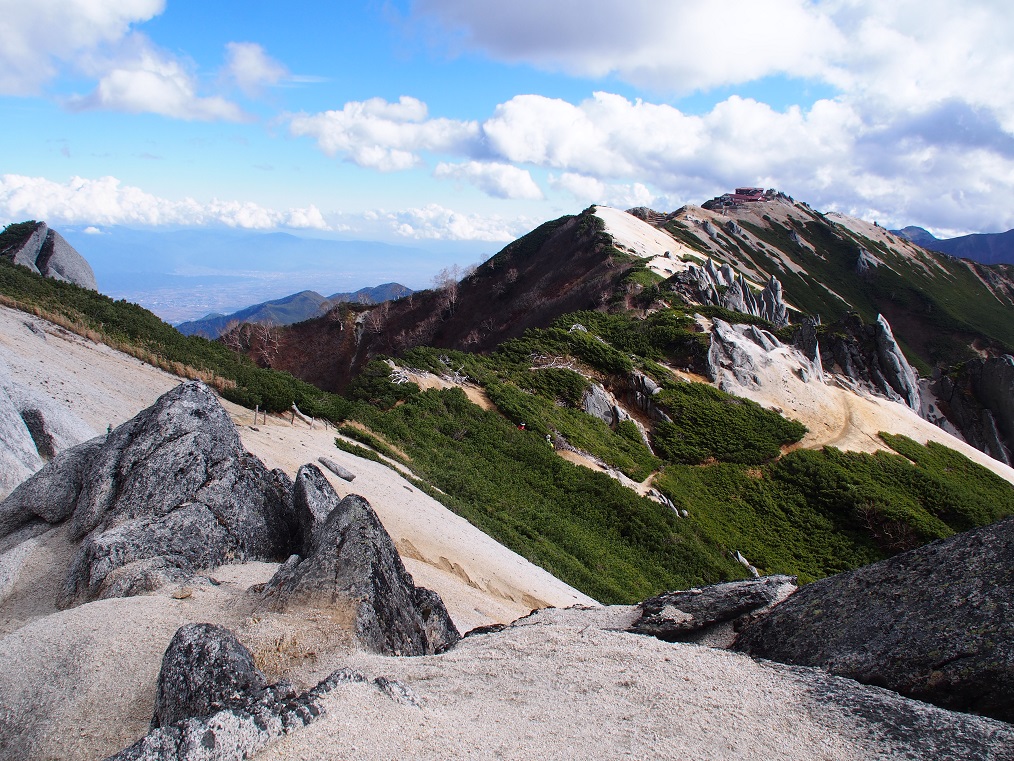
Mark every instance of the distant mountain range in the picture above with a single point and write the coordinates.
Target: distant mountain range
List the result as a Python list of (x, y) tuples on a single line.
[(987, 248), (185, 274), (290, 309)]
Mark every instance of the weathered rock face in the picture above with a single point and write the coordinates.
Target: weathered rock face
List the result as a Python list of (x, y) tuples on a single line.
[(896, 369), (205, 669), (350, 560), (213, 704), (688, 615), (640, 392), (979, 401), (173, 483), (47, 253), (933, 623), (720, 286), (50, 495), (19, 457), (739, 355), (869, 356), (600, 403), (804, 338)]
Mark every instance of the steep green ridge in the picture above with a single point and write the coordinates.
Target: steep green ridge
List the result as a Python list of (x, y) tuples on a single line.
[(807, 513), (582, 526), (134, 329)]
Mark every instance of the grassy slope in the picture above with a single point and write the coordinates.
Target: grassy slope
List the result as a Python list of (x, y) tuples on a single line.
[(136, 330), (808, 513), (935, 312), (811, 513)]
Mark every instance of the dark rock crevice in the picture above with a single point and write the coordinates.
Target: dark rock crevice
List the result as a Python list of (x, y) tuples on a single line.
[(978, 398)]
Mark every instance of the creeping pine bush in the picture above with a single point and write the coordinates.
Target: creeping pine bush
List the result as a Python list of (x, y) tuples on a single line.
[(816, 513), (711, 424), (580, 525)]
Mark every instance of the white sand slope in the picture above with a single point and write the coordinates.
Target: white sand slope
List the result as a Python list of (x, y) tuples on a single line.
[(837, 417), (563, 688), (479, 579), (666, 255)]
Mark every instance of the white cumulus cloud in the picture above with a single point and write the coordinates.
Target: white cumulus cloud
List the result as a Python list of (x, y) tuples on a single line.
[(37, 37), (251, 68), (434, 221), (610, 149), (107, 201), (382, 135), (903, 52), (150, 81), (588, 190), (492, 178), (674, 46)]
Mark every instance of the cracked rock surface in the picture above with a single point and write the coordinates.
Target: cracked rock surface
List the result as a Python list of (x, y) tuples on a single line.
[(934, 623), (214, 704), (167, 493), (350, 559)]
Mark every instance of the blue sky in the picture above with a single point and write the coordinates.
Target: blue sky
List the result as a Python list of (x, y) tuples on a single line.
[(422, 121)]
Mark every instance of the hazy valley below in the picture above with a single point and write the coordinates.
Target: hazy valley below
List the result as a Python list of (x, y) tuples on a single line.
[(187, 274)]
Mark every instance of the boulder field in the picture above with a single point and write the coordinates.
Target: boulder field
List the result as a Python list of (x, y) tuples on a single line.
[(146, 510)]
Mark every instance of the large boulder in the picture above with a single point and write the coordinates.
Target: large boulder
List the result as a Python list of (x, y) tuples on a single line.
[(49, 497), (173, 484), (213, 704), (47, 253), (350, 560), (934, 623), (204, 669), (694, 614)]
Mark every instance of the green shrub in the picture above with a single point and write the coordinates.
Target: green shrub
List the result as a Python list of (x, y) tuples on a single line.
[(580, 525), (711, 424), (374, 386)]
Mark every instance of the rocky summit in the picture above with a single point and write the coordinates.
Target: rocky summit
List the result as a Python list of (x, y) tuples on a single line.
[(46, 252)]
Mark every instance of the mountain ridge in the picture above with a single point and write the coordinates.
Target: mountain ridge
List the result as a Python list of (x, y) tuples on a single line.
[(289, 309), (986, 248), (615, 430)]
